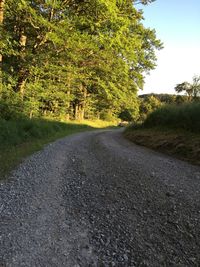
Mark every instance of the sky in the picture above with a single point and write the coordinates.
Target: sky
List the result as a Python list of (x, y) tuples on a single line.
[(177, 25)]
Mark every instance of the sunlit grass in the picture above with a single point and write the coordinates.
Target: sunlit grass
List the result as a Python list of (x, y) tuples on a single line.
[(97, 123), (20, 138)]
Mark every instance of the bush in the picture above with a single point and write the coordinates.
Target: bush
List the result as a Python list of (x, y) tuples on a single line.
[(185, 116), (107, 116), (10, 112), (127, 115)]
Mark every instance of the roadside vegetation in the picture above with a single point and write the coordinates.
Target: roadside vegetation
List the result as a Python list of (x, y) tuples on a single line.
[(185, 117), (70, 61), (22, 136), (68, 66), (174, 129)]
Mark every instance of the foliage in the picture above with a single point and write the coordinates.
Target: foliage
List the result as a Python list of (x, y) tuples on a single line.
[(130, 114), (75, 58), (148, 105), (167, 99), (192, 90), (22, 130), (163, 98), (185, 116)]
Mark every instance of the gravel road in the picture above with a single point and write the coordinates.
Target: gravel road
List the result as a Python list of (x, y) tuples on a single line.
[(95, 199)]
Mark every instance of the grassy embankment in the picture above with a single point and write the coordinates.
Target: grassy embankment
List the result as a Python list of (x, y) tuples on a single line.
[(174, 130), (21, 137)]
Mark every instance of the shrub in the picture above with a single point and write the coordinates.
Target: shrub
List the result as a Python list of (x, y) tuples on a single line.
[(185, 116)]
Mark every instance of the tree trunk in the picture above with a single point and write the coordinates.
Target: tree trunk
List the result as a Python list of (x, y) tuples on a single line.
[(83, 103), (23, 73), (67, 117), (22, 41), (78, 112), (31, 114), (79, 105), (76, 109), (20, 87), (51, 14), (2, 2)]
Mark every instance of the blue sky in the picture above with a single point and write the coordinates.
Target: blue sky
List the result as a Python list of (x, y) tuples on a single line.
[(177, 24)]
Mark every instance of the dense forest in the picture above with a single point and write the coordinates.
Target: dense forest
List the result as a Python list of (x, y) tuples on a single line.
[(73, 58)]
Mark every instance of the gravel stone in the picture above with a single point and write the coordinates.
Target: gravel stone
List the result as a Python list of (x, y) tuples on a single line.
[(96, 199)]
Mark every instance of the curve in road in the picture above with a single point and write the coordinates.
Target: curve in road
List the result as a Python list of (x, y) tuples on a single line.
[(95, 199)]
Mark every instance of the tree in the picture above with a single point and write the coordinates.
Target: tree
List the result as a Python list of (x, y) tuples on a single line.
[(144, 2), (184, 87), (192, 90), (196, 87), (129, 114), (148, 105), (73, 57), (180, 99), (2, 2)]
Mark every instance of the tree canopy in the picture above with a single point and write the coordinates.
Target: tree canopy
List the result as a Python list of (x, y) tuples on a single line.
[(190, 89), (78, 58)]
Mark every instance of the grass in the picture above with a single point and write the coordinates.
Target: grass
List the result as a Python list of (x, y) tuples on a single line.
[(174, 130), (98, 123), (20, 138), (186, 117)]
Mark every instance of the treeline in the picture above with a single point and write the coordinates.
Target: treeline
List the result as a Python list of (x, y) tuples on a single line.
[(166, 98), (73, 58)]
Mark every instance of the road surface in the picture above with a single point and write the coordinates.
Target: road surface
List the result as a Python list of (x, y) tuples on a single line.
[(96, 199)]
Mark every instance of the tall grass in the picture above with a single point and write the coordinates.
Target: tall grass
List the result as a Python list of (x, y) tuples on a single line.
[(19, 131), (186, 117), (21, 137)]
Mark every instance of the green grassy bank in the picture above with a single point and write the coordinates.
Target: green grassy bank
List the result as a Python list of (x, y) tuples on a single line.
[(185, 117), (174, 130), (21, 137)]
